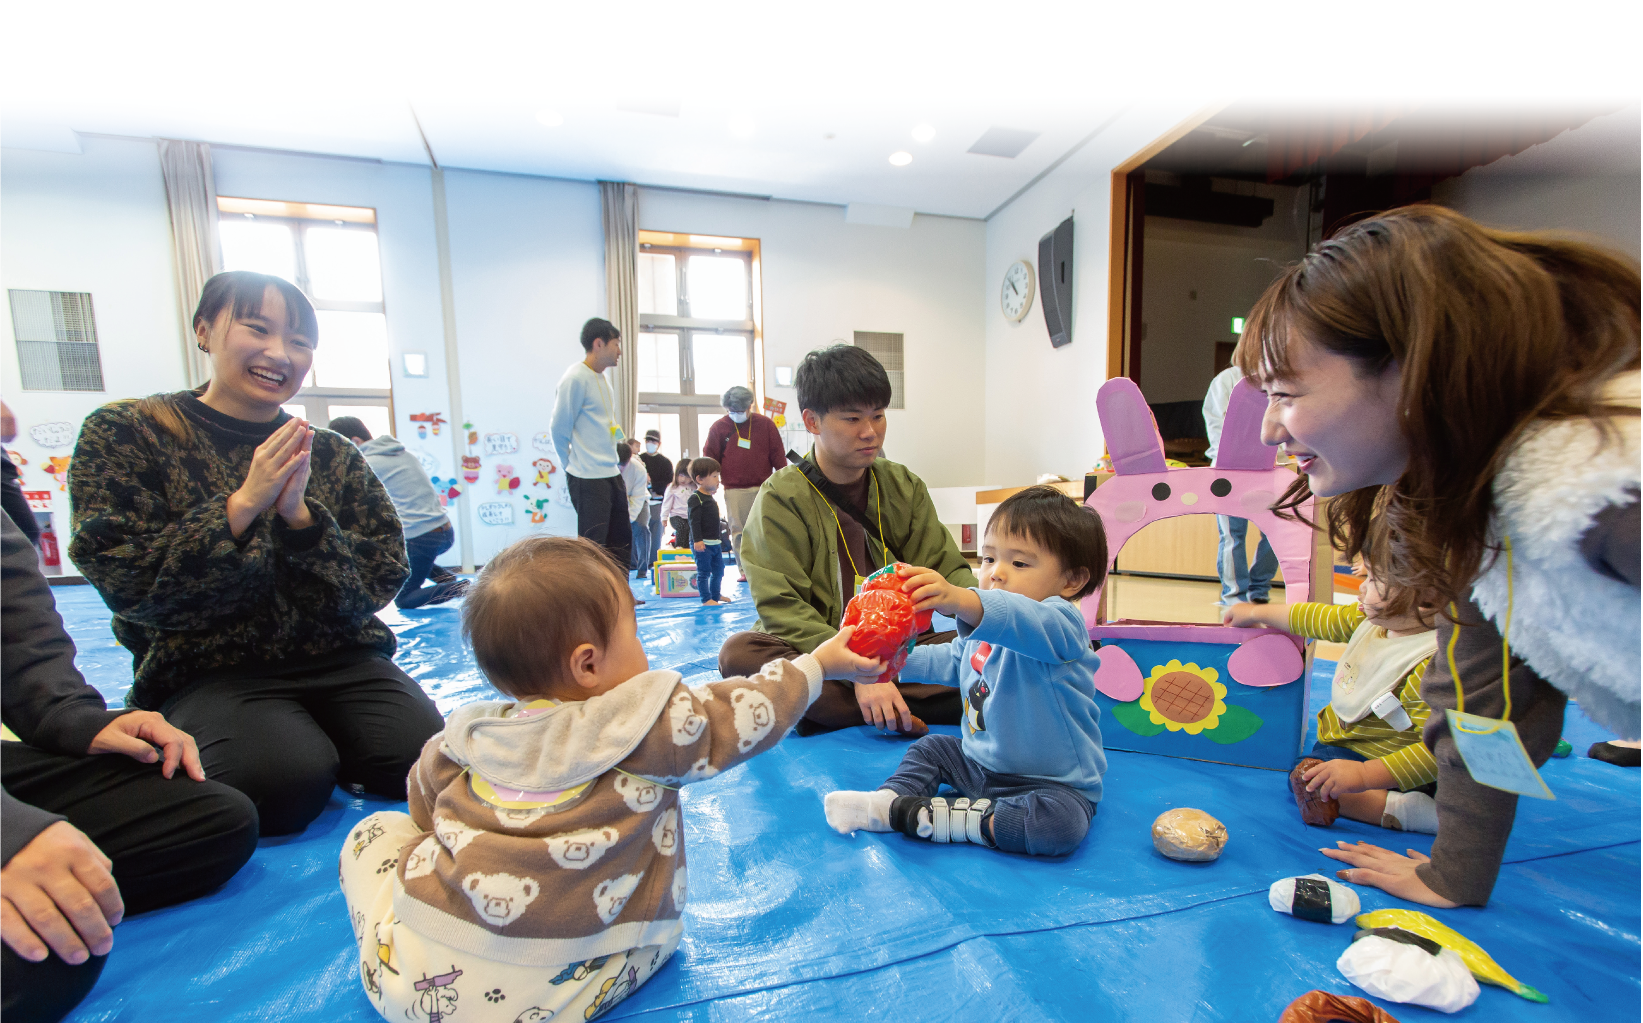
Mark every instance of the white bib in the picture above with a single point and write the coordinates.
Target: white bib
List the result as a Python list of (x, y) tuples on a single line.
[(1375, 664)]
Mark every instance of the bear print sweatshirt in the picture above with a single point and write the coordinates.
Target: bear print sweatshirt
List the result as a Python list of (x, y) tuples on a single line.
[(554, 836)]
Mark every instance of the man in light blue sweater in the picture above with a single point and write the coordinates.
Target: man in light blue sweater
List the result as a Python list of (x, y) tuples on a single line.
[(585, 433), (1029, 763)]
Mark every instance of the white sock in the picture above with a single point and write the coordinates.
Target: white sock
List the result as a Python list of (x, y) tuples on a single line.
[(1411, 811), (849, 812)]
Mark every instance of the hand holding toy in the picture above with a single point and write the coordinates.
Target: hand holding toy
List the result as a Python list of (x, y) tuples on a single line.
[(886, 626)]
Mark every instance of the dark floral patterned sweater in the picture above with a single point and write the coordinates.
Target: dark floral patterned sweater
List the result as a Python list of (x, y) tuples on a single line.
[(189, 600)]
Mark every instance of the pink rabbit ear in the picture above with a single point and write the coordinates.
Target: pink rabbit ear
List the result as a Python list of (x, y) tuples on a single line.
[(1241, 446), (1130, 431)]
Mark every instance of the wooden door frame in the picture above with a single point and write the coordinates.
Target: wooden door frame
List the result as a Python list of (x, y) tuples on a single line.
[(1125, 228)]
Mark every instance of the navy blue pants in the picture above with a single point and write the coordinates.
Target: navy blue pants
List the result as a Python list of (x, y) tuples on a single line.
[(1030, 815), (710, 571), (421, 551)]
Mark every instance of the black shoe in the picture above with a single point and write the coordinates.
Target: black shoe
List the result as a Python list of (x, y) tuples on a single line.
[(439, 574), (448, 591), (1620, 756)]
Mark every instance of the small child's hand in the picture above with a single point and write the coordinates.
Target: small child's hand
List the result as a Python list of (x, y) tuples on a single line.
[(1332, 778), (930, 591), (882, 706), (1241, 616), (840, 662), (701, 545)]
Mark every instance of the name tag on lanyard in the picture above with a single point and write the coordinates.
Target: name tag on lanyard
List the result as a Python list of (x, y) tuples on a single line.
[(744, 442), (1495, 756)]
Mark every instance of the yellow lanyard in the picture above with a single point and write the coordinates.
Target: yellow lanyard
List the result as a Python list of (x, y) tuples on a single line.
[(878, 499), (1505, 650)]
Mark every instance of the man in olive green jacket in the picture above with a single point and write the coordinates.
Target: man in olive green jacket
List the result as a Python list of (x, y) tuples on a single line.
[(817, 529)]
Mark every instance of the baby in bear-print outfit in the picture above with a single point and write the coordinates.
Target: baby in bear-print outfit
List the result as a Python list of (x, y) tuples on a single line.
[(542, 865)]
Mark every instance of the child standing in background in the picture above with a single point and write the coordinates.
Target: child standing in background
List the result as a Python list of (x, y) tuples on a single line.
[(675, 503), (704, 531), (544, 853), (1369, 755), (1028, 767)]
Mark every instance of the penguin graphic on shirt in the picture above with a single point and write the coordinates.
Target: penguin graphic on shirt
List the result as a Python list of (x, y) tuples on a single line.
[(975, 697)]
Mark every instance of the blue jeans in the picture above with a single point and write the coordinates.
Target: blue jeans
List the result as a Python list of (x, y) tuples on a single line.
[(710, 571), (1030, 815), (1239, 581), (641, 543), (421, 551), (1321, 751)]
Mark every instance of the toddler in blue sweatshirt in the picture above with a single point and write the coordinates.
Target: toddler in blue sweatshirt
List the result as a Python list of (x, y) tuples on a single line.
[(1027, 769)]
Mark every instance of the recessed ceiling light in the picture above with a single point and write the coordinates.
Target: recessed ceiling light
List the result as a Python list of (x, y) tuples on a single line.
[(901, 159), (923, 133), (829, 135), (742, 127), (550, 118)]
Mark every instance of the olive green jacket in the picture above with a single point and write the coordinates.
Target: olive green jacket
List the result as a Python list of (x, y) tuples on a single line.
[(790, 546)]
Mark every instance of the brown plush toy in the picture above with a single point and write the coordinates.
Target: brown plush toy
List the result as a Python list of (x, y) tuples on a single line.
[(1315, 811)]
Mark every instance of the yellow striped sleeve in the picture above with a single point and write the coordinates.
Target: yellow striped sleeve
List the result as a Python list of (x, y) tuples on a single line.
[(1405, 756), (1333, 623)]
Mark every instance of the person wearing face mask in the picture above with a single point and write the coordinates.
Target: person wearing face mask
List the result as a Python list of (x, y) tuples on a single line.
[(748, 448), (244, 555), (659, 470)]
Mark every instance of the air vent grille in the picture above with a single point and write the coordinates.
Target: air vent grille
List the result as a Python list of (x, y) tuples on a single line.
[(56, 335), (887, 348)]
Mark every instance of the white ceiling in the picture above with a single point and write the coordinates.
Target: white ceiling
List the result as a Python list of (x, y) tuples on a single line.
[(791, 101)]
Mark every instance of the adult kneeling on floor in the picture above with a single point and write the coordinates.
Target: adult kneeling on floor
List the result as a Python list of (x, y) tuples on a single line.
[(89, 838), (244, 555), (817, 529)]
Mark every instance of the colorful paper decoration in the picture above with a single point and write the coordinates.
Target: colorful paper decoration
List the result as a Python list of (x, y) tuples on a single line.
[(544, 468), (39, 500), (776, 410), (543, 442), (1186, 706), (53, 435), (57, 469), (496, 513), (470, 468), (447, 489), (424, 420), (506, 481), (538, 508), (501, 443)]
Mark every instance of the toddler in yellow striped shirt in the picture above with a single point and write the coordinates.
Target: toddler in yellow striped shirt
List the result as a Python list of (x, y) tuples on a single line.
[(1369, 759)]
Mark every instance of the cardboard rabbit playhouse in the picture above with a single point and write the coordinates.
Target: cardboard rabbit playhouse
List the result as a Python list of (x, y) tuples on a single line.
[(1204, 692)]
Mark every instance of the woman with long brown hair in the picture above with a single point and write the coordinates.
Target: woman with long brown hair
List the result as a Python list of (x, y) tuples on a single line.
[(244, 555), (1468, 398)]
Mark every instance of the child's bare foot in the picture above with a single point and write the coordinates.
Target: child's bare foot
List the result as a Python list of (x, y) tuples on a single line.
[(849, 812)]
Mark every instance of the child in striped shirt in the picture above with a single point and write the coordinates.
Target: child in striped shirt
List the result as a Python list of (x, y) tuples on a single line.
[(1369, 755)]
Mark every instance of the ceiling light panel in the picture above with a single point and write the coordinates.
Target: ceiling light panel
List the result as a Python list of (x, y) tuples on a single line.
[(901, 159), (1005, 142), (923, 133)]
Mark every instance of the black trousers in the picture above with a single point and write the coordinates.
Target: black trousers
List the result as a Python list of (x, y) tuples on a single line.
[(287, 740), (170, 840), (602, 514)]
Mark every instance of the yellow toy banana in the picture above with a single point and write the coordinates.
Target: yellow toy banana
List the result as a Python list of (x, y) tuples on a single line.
[(1476, 959)]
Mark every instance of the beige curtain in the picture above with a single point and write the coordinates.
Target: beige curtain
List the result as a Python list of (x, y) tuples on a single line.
[(191, 195), (621, 206)]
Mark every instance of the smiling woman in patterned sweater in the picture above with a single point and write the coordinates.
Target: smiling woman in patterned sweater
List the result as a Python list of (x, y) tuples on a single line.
[(244, 555)]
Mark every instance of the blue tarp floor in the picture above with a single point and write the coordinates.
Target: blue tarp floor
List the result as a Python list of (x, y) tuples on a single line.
[(788, 919)]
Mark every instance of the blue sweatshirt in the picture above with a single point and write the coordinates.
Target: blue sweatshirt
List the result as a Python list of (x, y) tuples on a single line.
[(1027, 676)]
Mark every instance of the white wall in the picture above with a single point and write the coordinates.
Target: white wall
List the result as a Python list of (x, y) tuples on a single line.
[(1198, 277), (1583, 180), (824, 279), (1041, 400), (95, 222), (528, 269)]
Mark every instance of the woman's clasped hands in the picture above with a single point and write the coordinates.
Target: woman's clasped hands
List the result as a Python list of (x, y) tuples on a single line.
[(278, 479)]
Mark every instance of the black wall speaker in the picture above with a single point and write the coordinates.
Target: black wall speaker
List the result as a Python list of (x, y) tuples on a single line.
[(1055, 282)]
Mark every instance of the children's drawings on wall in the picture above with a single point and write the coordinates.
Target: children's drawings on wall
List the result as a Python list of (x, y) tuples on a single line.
[(424, 420), (538, 508), (473, 435), (52, 435), (57, 469), (447, 488), (506, 481), (543, 442), (470, 468), (496, 513), (777, 411), (544, 468), (429, 463), (501, 443)]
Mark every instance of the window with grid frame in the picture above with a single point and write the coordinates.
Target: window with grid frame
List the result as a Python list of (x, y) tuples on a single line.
[(887, 349), (56, 335)]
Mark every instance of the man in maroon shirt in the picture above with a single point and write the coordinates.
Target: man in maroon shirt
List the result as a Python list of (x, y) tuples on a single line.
[(748, 448)]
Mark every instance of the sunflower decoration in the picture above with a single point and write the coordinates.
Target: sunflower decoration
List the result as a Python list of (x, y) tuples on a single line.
[(1186, 698)]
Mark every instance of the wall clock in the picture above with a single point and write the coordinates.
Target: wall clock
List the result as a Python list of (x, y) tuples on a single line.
[(1016, 295)]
